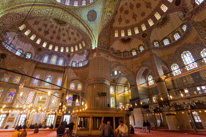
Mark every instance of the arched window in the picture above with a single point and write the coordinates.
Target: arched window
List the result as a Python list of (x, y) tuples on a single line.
[(30, 97), (53, 59), (170, 1), (184, 27), (23, 26), (150, 80), (199, 1), (80, 64), (59, 81), (164, 8), (150, 21), (141, 48), (72, 86), (83, 43), (16, 79), (10, 95), (175, 69), (72, 49), (136, 30), (10, 47), (38, 41), (67, 2), (62, 49), (91, 1), (56, 48), (188, 60), (122, 33), (125, 53), (48, 79), (18, 52), (134, 52), (28, 55), (46, 57), (143, 27), (176, 36), (76, 48), (55, 99), (1, 91), (27, 32), (83, 2), (67, 49), (61, 61), (5, 78), (50, 47), (69, 100), (129, 32), (73, 64), (157, 15), (75, 3), (156, 44), (166, 42), (79, 87), (44, 44), (111, 90), (33, 37), (112, 102), (80, 46), (203, 54), (35, 81)]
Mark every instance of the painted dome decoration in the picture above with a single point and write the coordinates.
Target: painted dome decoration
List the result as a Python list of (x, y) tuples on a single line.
[(92, 15), (75, 3)]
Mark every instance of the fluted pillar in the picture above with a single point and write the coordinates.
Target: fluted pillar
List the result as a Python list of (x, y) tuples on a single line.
[(98, 90)]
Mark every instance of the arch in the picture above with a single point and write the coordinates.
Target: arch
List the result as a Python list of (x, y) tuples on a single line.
[(188, 60), (122, 81), (142, 75)]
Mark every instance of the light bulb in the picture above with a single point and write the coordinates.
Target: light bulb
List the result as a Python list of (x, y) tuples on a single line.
[(40, 97), (67, 97), (76, 100), (21, 94), (181, 94), (161, 98), (49, 93), (82, 103), (4, 106)]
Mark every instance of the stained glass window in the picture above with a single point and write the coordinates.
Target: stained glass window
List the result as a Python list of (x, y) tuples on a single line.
[(5, 78), (56, 48), (10, 47), (35, 81), (134, 52), (18, 52), (53, 59), (79, 87), (150, 80), (62, 49), (184, 27), (83, 43), (80, 64), (170, 1), (38, 41), (55, 99), (156, 44), (1, 91), (46, 57), (23, 26), (157, 15), (199, 1), (48, 79), (27, 32), (73, 64), (150, 21), (10, 95), (28, 55), (67, 2), (164, 8), (16, 79), (69, 100), (116, 33), (72, 86), (136, 30), (30, 97), (75, 3), (44, 44), (176, 36), (188, 60), (143, 27), (83, 2), (78, 101), (67, 49), (129, 32), (203, 54), (175, 69), (72, 49), (112, 102), (80, 46), (141, 48), (166, 42), (111, 90), (33, 37), (61, 61), (59, 81), (50, 47), (122, 33)]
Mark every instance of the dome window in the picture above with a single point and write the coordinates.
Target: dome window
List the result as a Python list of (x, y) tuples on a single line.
[(150, 21), (122, 33), (184, 27), (141, 48), (28, 55), (134, 52), (75, 3), (38, 41), (76, 48), (188, 60), (136, 30), (67, 49), (164, 8), (46, 57), (72, 49), (198, 1), (23, 26), (83, 2), (44, 44), (176, 36), (157, 15), (91, 1), (83, 43), (166, 42), (73, 64), (67, 2), (27, 32), (203, 54), (143, 27), (33, 37), (80, 46), (156, 44), (129, 32), (80, 64), (62, 49), (170, 1), (175, 69), (116, 33), (56, 48), (50, 47), (18, 52)]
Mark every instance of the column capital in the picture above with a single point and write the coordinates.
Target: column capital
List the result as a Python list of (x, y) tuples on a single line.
[(160, 79)]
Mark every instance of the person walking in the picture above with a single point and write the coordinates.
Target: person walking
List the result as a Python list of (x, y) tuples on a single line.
[(24, 133), (61, 130), (132, 130), (145, 126), (122, 130), (71, 127), (16, 133), (148, 125), (36, 128), (107, 130), (101, 127)]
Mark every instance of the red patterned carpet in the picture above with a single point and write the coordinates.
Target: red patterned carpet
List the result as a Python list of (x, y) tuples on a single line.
[(138, 133)]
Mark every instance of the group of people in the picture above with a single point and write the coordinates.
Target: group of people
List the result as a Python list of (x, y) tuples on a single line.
[(107, 130), (146, 126), (61, 129)]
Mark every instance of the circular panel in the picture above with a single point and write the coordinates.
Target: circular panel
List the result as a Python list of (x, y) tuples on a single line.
[(92, 15)]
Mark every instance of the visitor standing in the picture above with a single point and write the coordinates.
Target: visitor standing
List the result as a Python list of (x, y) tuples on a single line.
[(71, 127), (16, 133), (148, 125), (132, 130), (24, 133), (36, 128), (122, 130), (101, 127), (145, 126), (107, 130), (61, 130), (65, 123)]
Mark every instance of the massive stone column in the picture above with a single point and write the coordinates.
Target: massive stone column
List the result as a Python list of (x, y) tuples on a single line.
[(98, 90), (162, 88)]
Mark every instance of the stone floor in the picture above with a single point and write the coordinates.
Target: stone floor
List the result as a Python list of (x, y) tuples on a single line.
[(138, 133)]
